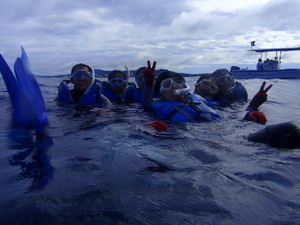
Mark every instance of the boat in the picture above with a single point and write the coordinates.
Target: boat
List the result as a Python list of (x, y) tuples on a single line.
[(270, 68)]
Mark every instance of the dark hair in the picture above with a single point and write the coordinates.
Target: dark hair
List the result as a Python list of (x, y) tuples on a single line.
[(112, 73), (163, 76), (139, 70), (206, 76), (81, 65), (221, 72)]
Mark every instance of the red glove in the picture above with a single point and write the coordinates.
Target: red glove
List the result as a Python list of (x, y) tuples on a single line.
[(149, 73), (256, 116), (260, 97), (158, 125)]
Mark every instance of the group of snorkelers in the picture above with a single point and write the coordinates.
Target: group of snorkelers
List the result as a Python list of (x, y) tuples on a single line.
[(166, 95)]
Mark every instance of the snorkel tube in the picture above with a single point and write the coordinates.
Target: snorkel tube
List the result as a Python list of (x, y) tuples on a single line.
[(128, 73), (91, 84), (182, 91)]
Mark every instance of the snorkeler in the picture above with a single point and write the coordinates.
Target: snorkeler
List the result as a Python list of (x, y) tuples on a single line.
[(140, 81), (229, 90), (283, 135), (259, 98), (117, 89), (174, 102), (86, 91), (206, 87)]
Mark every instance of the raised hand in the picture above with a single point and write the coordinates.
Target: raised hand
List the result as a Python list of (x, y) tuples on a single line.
[(149, 73), (260, 97)]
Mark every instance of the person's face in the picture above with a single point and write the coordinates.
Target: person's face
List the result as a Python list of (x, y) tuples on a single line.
[(206, 88), (168, 87), (81, 79), (140, 80), (118, 83), (225, 83)]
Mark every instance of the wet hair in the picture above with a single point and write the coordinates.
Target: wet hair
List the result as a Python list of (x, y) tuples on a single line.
[(112, 73), (220, 73), (139, 70), (163, 76), (75, 67), (203, 77)]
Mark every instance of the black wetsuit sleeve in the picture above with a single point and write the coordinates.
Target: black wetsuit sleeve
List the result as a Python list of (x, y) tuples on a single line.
[(147, 96), (76, 95)]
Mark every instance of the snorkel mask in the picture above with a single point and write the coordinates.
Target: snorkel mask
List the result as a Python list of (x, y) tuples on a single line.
[(84, 75), (119, 81), (167, 84), (208, 86), (225, 80), (81, 75)]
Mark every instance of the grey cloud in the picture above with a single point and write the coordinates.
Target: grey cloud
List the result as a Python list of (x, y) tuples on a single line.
[(109, 34)]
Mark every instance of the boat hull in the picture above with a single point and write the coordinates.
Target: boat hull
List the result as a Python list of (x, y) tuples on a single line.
[(280, 74)]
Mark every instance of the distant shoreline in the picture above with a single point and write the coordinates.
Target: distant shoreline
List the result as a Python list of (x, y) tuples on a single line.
[(104, 73)]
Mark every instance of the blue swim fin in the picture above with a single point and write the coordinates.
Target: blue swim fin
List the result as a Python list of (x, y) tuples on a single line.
[(18, 101), (26, 97)]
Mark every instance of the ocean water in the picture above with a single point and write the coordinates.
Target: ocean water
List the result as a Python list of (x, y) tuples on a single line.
[(112, 168)]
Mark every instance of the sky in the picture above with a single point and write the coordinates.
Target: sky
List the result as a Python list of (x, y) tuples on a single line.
[(180, 35)]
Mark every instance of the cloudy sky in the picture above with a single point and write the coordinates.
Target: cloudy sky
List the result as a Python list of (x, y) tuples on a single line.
[(181, 35)]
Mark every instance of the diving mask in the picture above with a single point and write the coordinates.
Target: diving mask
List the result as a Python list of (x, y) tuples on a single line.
[(81, 74), (117, 82), (208, 86), (174, 82)]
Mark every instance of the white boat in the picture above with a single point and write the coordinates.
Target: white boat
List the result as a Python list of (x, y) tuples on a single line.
[(270, 67)]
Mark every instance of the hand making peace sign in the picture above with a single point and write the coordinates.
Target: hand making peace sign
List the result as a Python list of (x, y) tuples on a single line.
[(149, 73), (260, 97)]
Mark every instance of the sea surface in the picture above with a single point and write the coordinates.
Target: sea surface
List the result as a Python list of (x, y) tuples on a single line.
[(107, 166)]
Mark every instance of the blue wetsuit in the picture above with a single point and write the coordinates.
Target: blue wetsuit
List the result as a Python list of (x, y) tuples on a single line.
[(127, 97), (184, 112), (194, 110), (238, 94), (92, 97), (199, 98)]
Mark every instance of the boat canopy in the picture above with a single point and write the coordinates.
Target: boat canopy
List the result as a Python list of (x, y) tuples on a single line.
[(275, 49)]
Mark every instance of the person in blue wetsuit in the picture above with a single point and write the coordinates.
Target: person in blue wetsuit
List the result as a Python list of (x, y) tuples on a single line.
[(207, 88), (117, 89), (140, 81), (174, 102), (229, 90), (86, 91)]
